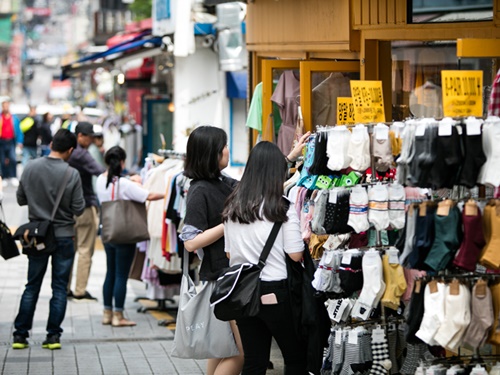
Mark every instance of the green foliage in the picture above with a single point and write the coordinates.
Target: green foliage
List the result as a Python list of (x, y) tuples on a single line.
[(141, 9)]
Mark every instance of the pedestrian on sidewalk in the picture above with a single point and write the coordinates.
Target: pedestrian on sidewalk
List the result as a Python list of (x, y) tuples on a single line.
[(10, 134), (110, 186), (87, 224), (249, 215), (30, 126), (46, 133), (38, 189), (207, 155)]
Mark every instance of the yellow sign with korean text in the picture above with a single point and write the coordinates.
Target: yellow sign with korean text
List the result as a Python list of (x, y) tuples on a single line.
[(462, 93), (368, 101), (345, 111)]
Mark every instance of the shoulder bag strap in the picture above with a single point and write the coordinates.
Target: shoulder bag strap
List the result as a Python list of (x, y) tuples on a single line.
[(60, 193), (269, 244)]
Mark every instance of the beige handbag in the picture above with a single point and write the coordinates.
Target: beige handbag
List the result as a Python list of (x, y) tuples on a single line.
[(123, 221)]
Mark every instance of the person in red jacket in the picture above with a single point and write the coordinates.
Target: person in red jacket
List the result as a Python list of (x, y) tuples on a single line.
[(9, 134)]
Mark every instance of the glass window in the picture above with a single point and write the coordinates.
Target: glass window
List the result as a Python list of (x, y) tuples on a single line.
[(427, 11), (416, 77)]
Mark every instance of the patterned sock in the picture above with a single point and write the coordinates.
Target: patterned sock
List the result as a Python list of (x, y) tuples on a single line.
[(380, 352)]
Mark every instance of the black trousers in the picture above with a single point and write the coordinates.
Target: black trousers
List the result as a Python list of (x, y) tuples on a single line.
[(272, 321)]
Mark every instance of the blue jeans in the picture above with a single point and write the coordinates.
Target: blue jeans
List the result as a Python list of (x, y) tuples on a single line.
[(29, 153), (62, 261), (119, 258), (8, 151)]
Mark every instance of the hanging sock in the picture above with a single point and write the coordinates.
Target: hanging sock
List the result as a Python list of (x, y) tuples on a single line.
[(380, 353)]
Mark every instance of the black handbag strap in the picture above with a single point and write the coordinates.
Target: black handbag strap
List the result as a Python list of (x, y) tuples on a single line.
[(269, 244), (60, 193)]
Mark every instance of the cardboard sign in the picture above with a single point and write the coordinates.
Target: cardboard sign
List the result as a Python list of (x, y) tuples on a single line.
[(345, 111), (462, 93), (368, 101)]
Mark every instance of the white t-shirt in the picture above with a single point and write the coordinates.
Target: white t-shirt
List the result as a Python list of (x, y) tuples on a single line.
[(128, 190), (245, 243)]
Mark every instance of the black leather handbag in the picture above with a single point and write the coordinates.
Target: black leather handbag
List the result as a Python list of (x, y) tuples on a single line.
[(37, 237), (237, 291), (8, 247)]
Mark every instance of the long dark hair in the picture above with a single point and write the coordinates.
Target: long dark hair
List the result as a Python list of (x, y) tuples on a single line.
[(113, 158), (203, 153), (262, 182)]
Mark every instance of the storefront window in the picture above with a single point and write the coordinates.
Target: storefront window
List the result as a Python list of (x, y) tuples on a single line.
[(416, 77), (441, 11)]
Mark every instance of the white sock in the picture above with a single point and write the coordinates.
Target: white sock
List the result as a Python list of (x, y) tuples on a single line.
[(358, 209), (457, 318), (336, 148), (359, 148), (378, 212), (397, 206), (373, 285), (434, 314)]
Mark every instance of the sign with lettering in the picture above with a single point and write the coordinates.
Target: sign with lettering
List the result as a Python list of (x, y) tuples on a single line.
[(462, 93), (345, 111), (368, 101)]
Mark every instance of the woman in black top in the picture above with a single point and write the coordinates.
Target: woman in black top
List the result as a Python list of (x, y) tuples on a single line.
[(46, 133), (207, 154)]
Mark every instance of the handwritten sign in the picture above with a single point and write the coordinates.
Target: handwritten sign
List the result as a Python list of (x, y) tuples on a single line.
[(368, 101), (462, 93), (345, 111)]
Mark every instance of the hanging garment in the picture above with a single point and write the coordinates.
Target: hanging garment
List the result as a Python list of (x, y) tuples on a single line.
[(434, 313), (474, 158), (448, 161), (286, 97), (473, 242), (324, 98), (494, 103), (394, 278), (490, 172), (482, 315), (359, 148)]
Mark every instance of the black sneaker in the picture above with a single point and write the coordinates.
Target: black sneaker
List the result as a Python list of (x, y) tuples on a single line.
[(52, 342), (19, 342), (87, 295), (69, 294)]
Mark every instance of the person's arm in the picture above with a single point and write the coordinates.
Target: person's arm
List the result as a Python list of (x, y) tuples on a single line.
[(294, 245), (155, 196), (77, 205), (205, 238), (21, 195), (87, 163), (297, 150)]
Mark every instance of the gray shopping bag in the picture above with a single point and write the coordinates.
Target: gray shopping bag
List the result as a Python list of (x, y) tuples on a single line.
[(199, 334)]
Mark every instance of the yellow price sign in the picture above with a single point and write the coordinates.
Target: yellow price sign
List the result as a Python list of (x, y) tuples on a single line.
[(368, 101), (345, 111), (462, 93)]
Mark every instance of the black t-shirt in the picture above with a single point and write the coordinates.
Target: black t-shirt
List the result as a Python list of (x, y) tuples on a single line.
[(204, 205)]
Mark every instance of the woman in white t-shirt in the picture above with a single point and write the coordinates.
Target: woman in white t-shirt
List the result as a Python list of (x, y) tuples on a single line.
[(249, 214), (110, 186)]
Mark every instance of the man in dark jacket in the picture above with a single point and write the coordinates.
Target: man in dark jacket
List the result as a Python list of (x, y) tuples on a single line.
[(87, 224), (38, 189)]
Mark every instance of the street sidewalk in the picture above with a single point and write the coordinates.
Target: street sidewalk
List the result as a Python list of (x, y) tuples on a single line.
[(88, 347)]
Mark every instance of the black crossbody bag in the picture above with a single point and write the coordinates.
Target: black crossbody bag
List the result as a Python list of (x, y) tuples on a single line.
[(237, 290)]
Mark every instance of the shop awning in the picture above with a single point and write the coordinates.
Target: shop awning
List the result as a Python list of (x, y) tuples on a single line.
[(236, 84), (137, 48)]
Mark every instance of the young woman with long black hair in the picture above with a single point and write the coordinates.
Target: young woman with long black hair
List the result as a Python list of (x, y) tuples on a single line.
[(112, 185), (249, 215), (207, 155)]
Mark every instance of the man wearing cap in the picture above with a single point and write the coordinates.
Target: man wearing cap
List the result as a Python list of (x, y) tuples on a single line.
[(87, 224)]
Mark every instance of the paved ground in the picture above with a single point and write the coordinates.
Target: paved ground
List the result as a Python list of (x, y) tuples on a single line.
[(88, 347)]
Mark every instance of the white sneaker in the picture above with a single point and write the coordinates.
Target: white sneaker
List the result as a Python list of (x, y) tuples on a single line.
[(5, 183), (14, 182)]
